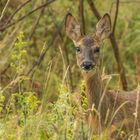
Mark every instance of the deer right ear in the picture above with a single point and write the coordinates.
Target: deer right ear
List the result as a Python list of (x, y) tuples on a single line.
[(72, 27), (103, 27)]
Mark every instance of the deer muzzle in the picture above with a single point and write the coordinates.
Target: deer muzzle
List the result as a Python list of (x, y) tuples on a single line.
[(87, 65)]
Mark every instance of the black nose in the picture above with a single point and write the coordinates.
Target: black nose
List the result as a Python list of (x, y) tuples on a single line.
[(87, 65)]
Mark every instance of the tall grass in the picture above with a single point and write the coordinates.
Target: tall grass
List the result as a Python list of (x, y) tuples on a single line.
[(50, 103)]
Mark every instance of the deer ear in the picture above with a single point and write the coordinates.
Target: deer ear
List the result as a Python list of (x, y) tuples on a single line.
[(103, 27), (72, 27)]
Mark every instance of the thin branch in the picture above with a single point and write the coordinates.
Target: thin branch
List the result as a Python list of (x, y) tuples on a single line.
[(17, 10), (55, 23), (81, 13), (5, 70), (70, 80), (116, 15), (36, 63), (4, 9), (43, 53), (37, 22), (94, 9), (26, 15), (125, 2)]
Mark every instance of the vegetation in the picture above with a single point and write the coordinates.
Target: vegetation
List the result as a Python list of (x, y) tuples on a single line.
[(42, 95)]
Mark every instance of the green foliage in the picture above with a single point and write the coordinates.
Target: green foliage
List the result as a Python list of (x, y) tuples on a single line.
[(56, 109), (26, 102), (2, 98), (18, 57), (63, 122)]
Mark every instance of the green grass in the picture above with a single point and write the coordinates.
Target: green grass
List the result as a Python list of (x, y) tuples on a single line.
[(50, 102)]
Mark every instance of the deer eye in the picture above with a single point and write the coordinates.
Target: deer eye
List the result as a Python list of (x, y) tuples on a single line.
[(97, 50), (78, 49)]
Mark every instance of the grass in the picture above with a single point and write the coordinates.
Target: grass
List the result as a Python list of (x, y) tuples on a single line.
[(50, 102)]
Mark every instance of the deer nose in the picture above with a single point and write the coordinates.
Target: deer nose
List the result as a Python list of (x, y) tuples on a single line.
[(87, 65)]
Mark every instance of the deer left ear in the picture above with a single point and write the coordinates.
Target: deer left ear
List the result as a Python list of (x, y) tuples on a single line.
[(72, 27), (103, 27)]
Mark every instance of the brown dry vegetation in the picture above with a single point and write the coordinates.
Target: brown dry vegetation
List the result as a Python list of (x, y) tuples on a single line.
[(42, 94)]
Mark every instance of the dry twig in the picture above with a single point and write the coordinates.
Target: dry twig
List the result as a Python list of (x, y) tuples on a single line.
[(82, 19), (26, 15), (16, 11), (4, 9)]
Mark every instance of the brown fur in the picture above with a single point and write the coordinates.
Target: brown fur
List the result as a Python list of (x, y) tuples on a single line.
[(108, 109), (111, 101)]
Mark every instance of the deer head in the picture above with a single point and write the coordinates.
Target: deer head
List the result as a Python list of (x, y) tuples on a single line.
[(87, 46)]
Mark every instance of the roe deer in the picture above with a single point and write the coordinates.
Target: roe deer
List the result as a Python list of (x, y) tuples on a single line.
[(114, 109)]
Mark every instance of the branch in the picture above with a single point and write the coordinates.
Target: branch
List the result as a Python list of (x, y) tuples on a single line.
[(58, 29), (24, 16), (114, 46), (116, 15), (124, 2), (17, 10), (81, 13), (5, 70), (65, 50), (94, 9), (43, 53), (37, 22), (4, 9)]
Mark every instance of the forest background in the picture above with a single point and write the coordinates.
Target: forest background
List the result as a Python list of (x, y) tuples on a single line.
[(41, 87)]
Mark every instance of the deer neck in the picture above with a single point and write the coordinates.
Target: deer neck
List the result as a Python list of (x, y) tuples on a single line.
[(93, 88)]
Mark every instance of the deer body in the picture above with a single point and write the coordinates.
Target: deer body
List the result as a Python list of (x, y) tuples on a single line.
[(124, 102), (107, 108)]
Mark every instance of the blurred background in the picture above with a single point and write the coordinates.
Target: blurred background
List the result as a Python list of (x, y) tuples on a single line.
[(41, 87)]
